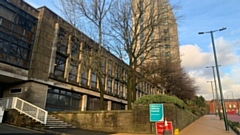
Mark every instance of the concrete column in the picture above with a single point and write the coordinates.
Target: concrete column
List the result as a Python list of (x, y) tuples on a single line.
[(126, 108), (109, 105), (84, 103)]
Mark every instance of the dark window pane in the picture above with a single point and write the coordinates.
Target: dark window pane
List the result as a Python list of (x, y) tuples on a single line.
[(59, 65), (75, 47), (109, 89), (84, 78), (62, 41), (75, 103), (94, 80), (64, 100), (52, 98), (7, 14), (73, 70)]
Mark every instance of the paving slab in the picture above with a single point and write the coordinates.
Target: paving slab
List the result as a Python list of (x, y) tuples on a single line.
[(207, 125)]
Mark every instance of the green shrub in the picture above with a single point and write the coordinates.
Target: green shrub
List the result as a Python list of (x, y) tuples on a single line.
[(148, 99), (235, 126)]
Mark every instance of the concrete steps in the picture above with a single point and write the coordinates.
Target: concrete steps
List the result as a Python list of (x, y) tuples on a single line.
[(53, 122)]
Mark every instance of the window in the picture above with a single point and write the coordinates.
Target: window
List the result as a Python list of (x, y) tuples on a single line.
[(17, 29), (94, 80), (7, 14), (61, 99), (167, 54), (165, 24), (16, 91), (59, 66), (115, 92), (167, 46), (121, 90), (166, 38), (165, 16), (75, 47), (84, 78), (109, 68), (93, 103), (139, 94), (109, 88), (62, 41), (164, 10), (117, 106), (73, 70), (165, 31), (103, 65), (115, 71), (103, 81)]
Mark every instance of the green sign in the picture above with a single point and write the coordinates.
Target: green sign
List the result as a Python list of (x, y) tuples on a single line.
[(156, 112)]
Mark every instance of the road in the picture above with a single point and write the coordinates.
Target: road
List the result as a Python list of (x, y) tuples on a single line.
[(234, 117), (13, 130)]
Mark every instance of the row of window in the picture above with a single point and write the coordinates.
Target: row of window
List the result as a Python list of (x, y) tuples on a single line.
[(17, 29), (71, 64), (60, 99)]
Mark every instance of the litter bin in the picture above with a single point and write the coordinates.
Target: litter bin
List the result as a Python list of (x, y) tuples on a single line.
[(1, 113)]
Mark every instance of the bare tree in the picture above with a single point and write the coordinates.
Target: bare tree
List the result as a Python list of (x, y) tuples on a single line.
[(94, 11), (171, 79), (134, 30)]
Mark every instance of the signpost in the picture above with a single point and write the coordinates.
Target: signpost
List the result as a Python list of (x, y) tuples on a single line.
[(156, 112)]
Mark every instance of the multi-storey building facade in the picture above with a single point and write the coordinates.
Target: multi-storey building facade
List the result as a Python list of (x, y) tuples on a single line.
[(163, 32), (41, 61)]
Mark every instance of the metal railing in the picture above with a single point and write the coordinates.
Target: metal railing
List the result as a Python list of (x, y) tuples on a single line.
[(25, 107)]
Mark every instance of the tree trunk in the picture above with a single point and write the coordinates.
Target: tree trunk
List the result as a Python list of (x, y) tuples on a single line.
[(102, 107)]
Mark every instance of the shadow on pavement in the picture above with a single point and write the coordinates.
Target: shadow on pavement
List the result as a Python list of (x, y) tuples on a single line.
[(80, 132)]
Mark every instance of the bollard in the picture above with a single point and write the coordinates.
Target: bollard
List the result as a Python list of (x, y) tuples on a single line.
[(176, 131), (166, 129)]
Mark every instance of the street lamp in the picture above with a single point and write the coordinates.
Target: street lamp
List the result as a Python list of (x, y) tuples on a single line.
[(218, 75), (214, 103), (218, 106)]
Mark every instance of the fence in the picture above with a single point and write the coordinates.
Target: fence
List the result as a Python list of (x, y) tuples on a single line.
[(25, 107)]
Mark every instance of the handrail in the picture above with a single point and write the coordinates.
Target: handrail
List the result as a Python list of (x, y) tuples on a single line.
[(25, 107)]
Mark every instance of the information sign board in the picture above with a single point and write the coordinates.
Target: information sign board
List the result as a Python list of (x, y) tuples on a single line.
[(156, 112)]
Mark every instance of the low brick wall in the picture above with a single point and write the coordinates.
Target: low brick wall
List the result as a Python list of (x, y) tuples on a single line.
[(133, 121)]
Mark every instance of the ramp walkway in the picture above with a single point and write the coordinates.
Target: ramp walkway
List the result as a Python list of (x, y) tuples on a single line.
[(206, 125)]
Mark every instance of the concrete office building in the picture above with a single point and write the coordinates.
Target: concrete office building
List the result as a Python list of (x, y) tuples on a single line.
[(41, 62)]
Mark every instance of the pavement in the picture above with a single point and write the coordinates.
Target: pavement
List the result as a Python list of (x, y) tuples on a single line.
[(207, 125)]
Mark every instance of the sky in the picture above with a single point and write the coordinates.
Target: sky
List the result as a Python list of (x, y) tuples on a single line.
[(196, 50)]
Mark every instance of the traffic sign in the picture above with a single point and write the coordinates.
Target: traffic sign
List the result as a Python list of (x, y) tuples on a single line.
[(156, 112), (160, 127)]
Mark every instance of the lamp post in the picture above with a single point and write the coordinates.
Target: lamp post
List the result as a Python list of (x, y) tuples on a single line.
[(215, 83), (218, 76), (214, 103)]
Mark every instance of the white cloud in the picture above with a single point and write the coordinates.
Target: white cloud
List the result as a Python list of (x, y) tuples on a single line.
[(192, 56), (226, 52), (194, 60)]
